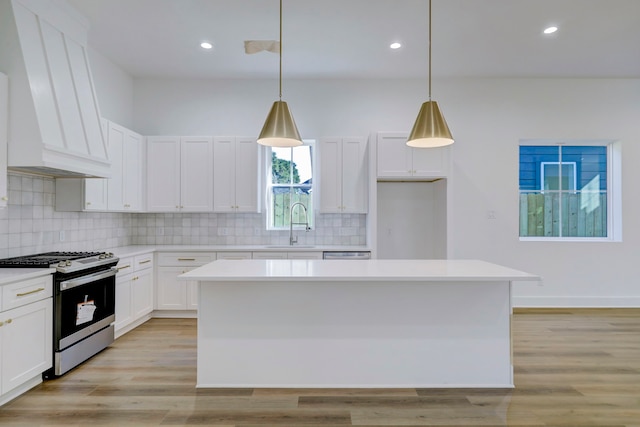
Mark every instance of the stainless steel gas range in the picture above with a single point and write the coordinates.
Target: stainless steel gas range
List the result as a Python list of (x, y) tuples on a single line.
[(83, 303)]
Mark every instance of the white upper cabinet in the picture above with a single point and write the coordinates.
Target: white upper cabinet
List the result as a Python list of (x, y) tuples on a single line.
[(120, 193), (163, 174), (397, 160), (235, 174), (179, 174), (54, 124), (343, 175), (125, 153)]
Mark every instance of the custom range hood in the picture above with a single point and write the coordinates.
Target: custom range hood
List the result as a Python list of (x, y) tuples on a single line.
[(54, 120)]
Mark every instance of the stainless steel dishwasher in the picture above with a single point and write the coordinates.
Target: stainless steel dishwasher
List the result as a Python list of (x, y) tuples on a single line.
[(347, 255)]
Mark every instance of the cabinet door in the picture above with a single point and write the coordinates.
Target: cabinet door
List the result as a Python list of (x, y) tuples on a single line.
[(115, 186), (163, 174), (124, 314), (355, 175), (142, 293), (224, 174), (132, 171), (247, 167), (171, 294), (25, 343), (331, 175), (394, 156), (431, 162), (196, 174), (95, 194)]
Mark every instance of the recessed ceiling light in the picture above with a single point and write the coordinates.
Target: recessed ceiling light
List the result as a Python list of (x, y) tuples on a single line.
[(395, 45), (550, 30), (206, 45)]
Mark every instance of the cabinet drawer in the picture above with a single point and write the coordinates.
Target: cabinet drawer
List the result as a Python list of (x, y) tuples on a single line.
[(125, 266), (269, 255), (233, 255), (185, 258), (143, 262), (25, 292)]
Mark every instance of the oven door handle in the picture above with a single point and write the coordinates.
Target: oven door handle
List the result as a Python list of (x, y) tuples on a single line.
[(69, 284)]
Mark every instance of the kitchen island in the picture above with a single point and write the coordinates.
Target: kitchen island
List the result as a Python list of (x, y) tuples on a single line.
[(374, 323)]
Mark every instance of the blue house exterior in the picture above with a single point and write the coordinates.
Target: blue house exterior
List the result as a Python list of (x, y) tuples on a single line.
[(581, 166)]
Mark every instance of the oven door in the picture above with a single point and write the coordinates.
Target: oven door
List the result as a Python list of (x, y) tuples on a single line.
[(84, 305)]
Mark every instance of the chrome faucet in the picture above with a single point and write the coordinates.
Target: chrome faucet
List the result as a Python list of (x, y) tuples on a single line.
[(294, 239)]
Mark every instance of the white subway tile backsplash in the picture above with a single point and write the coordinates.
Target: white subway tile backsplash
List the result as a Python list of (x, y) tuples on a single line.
[(30, 224)]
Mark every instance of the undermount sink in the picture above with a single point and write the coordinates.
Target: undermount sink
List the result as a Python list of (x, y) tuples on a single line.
[(290, 247)]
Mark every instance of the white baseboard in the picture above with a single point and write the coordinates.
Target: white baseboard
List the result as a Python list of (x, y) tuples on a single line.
[(175, 314), (577, 302)]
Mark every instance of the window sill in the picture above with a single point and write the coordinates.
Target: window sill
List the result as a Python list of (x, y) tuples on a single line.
[(570, 239)]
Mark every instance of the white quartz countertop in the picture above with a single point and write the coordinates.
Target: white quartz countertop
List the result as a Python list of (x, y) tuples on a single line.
[(364, 270), (10, 275)]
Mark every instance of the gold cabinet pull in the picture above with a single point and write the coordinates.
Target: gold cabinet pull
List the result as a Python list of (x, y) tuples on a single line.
[(35, 291), (186, 259), (145, 261), (123, 267), (8, 321)]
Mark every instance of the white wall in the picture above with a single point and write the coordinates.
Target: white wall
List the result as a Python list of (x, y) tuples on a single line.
[(114, 89), (487, 117)]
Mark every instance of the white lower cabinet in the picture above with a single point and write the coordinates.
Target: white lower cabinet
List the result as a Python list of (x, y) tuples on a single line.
[(134, 292), (233, 255), (304, 255), (26, 335), (174, 294), (288, 255)]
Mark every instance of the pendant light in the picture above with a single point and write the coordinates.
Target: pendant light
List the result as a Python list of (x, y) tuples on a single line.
[(280, 129), (430, 129)]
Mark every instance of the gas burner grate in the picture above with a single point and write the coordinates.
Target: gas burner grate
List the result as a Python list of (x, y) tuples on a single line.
[(46, 259)]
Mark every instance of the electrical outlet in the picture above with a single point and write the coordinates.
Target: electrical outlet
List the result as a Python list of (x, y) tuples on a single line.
[(160, 231), (223, 231), (61, 235), (492, 215)]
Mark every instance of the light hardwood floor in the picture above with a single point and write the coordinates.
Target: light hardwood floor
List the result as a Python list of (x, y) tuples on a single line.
[(572, 368)]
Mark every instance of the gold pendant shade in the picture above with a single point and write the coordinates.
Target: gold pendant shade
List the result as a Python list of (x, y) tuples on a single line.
[(430, 129), (280, 129)]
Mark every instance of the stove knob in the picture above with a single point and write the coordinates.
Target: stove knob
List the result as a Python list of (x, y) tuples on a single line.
[(61, 264), (102, 256), (68, 263)]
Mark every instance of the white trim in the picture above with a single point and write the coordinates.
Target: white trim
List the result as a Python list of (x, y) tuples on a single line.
[(311, 210), (577, 302), (567, 239), (614, 187)]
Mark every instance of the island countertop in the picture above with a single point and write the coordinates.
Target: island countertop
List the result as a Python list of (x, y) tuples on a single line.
[(365, 270)]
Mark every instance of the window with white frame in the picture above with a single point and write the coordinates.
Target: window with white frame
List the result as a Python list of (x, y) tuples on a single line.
[(570, 191), (289, 181)]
